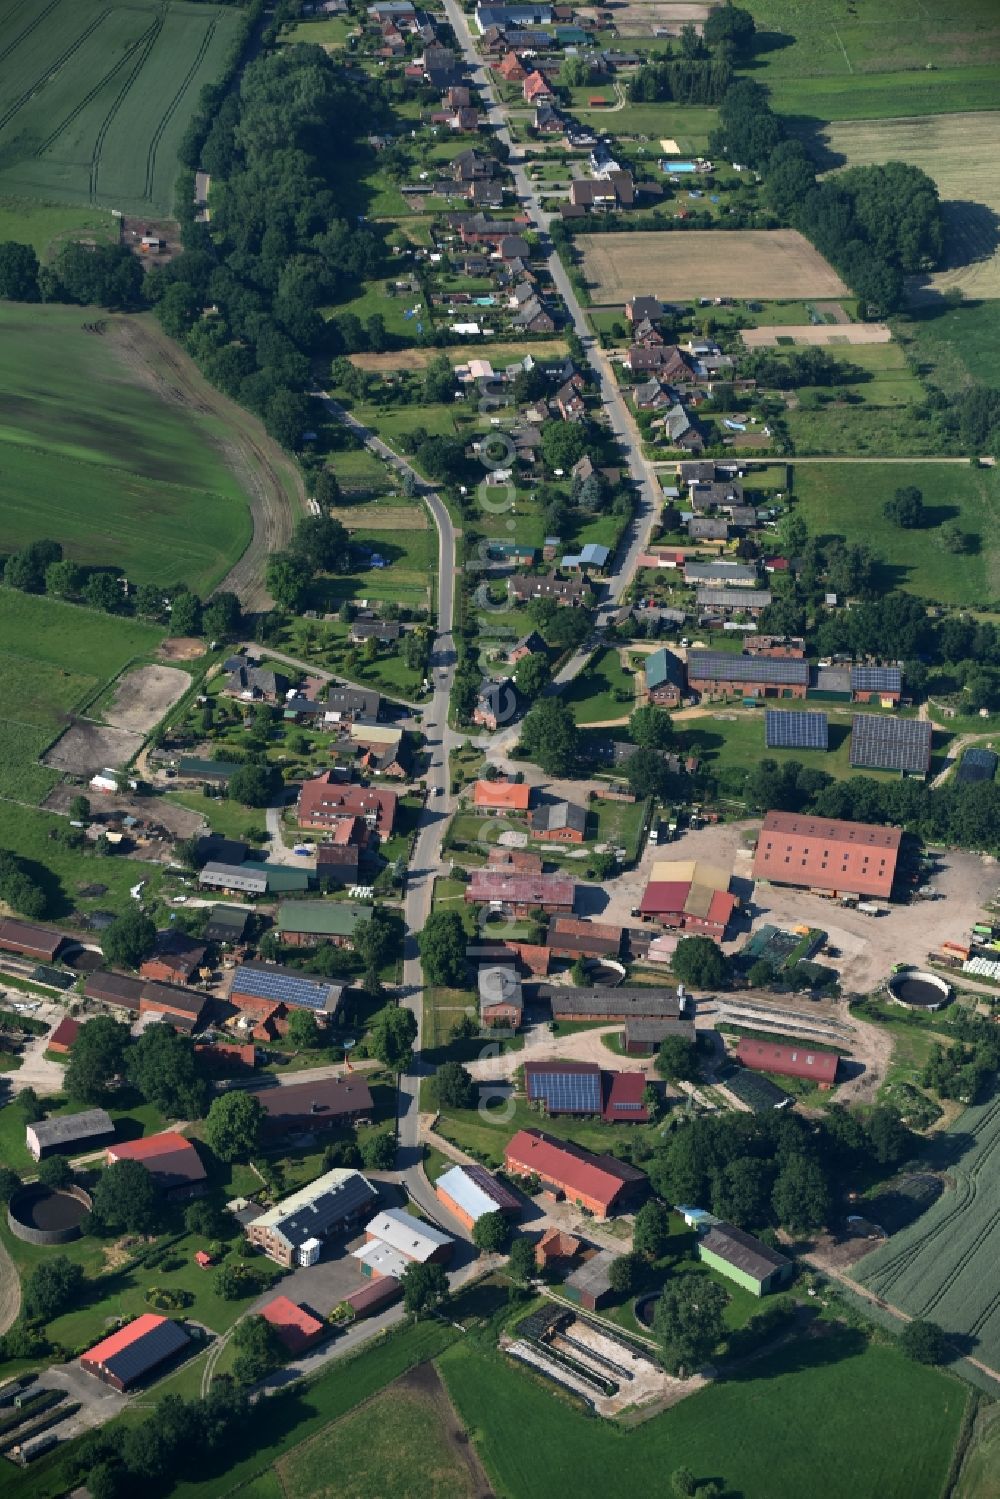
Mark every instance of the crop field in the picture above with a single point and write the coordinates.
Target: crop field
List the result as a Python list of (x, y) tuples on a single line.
[(528, 1437), (876, 96), (96, 95), (762, 263), (94, 458), (810, 38), (846, 500), (955, 150), (943, 1266)]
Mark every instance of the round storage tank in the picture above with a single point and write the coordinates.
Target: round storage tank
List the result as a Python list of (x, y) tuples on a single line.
[(48, 1215), (918, 990)]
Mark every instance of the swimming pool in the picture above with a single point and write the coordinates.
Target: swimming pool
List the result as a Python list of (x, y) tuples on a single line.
[(678, 166)]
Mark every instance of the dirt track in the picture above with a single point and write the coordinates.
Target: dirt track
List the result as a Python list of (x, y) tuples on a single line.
[(255, 459)]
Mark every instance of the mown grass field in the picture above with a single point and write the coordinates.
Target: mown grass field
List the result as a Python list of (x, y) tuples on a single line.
[(745, 1433), (952, 149), (47, 226), (955, 345), (593, 695), (846, 500), (813, 38), (943, 1266), (94, 458), (875, 96), (96, 96)]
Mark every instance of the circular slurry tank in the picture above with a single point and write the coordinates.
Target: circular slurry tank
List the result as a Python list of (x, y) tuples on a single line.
[(918, 990), (48, 1215), (645, 1307)]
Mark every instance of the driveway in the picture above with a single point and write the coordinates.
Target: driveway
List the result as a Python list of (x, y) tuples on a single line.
[(36, 1070)]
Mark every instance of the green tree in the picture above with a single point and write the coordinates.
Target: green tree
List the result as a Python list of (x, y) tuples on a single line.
[(740, 1192), (51, 1288), (729, 25), (326, 488), (18, 272), (303, 1032), (161, 1064), (924, 1342), (564, 443), (533, 674), (453, 1086), (801, 1199), (233, 1125), (288, 578), (222, 616), (439, 380), (425, 1288), (677, 1060), (103, 591), (953, 538), (97, 1058), (391, 1035), (129, 940), (64, 579), (202, 1217), (491, 1233), (906, 508), (521, 1265), (321, 544), (761, 974), (55, 1171), (126, 1198), (625, 1274), (688, 1321), (377, 1148), (252, 785), (9, 1183), (185, 613), (651, 1232), (29, 1106), (700, 963), (647, 773), (232, 1282), (377, 941), (550, 737), (442, 944), (79, 809), (258, 1350), (683, 1484), (651, 728)]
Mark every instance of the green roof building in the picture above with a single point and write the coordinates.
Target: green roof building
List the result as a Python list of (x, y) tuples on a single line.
[(303, 923), (281, 879), (742, 1258), (664, 678)]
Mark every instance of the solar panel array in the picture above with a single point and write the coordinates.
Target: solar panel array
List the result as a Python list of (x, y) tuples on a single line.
[(567, 1092), (890, 743), (722, 667), (876, 679), (790, 729), (282, 987), (977, 765)]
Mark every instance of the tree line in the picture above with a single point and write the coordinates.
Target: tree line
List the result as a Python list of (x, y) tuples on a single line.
[(875, 224), (702, 71)]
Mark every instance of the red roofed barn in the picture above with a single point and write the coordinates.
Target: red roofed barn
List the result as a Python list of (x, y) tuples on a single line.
[(819, 1067), (297, 1328), (599, 1183), (824, 853), (171, 1160), (133, 1352)]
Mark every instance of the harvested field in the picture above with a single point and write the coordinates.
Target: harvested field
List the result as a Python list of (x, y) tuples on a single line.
[(819, 335), (764, 263), (144, 695), (87, 747), (943, 1266), (382, 517), (498, 354), (952, 149)]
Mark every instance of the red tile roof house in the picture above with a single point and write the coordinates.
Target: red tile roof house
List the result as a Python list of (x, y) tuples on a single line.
[(819, 1067), (509, 68), (176, 959), (555, 1247), (523, 893), (171, 1160), (323, 802), (501, 796), (535, 87), (569, 938), (297, 1328), (133, 1352), (826, 854), (62, 1038), (600, 1183)]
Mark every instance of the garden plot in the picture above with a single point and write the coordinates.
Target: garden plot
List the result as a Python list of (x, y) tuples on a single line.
[(956, 151), (765, 264)]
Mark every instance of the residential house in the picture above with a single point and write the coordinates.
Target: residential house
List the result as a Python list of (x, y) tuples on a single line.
[(305, 923), (324, 801), (665, 360), (644, 309), (708, 528), (664, 679), (567, 592), (528, 645), (592, 558), (175, 959), (732, 600), (253, 683), (651, 396), (501, 796), (496, 703), (722, 574), (385, 631), (559, 822), (647, 335), (551, 893), (354, 702), (500, 999), (294, 1231), (680, 431), (510, 68), (569, 403), (535, 87)]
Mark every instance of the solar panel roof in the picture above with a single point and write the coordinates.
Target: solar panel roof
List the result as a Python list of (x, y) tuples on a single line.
[(977, 765), (879, 743), (791, 729), (149, 1349), (284, 987), (565, 1090), (876, 679), (721, 666)]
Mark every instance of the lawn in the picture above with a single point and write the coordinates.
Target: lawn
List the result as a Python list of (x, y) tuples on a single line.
[(47, 226), (395, 1444), (92, 457), (954, 345), (847, 501), (874, 96), (35, 836), (485, 1132), (602, 692), (530, 1439), (411, 558), (98, 97), (841, 38)]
